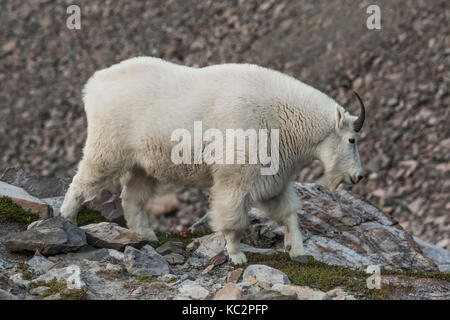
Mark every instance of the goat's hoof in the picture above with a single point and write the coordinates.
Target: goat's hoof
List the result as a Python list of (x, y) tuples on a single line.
[(300, 259), (150, 236), (238, 258)]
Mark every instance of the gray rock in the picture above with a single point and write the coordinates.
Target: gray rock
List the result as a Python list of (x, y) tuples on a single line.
[(269, 295), (212, 245), (71, 275), (110, 235), (38, 290), (265, 274), (51, 236), (171, 247), (302, 292), (5, 295), (193, 290), (339, 229), (39, 265), (440, 256), (175, 258), (38, 186), (145, 262)]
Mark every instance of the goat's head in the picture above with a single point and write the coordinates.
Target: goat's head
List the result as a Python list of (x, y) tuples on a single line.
[(339, 151)]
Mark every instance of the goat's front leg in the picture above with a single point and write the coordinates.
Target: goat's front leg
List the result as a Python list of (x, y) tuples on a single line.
[(229, 215)]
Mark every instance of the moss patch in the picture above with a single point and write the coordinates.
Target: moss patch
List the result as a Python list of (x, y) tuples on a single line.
[(186, 238), (55, 287), (325, 277), (88, 216), (26, 274), (145, 278), (111, 275), (13, 212)]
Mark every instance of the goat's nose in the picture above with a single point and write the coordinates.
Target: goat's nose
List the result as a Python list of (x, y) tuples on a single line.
[(360, 178)]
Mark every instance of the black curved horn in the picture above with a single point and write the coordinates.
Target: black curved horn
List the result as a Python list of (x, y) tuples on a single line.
[(362, 116)]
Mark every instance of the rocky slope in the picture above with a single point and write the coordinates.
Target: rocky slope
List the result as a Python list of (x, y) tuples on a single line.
[(54, 259), (401, 71)]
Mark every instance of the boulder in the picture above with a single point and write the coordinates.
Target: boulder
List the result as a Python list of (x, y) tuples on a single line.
[(26, 201), (339, 229), (110, 235), (145, 262), (50, 237)]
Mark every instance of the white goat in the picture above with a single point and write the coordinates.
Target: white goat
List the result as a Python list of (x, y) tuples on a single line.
[(133, 108)]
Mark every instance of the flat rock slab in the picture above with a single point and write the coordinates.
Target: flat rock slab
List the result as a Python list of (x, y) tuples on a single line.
[(145, 262), (110, 235), (26, 201), (50, 237)]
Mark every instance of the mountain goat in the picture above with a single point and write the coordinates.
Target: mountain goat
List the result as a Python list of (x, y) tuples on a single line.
[(134, 107)]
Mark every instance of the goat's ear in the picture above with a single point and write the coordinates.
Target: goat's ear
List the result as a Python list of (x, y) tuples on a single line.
[(339, 118)]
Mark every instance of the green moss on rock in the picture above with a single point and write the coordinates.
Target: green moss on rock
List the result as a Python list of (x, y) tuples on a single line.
[(325, 277), (88, 216), (56, 287), (13, 212)]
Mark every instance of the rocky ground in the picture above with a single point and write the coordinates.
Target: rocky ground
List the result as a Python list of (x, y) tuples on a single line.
[(401, 72), (99, 259)]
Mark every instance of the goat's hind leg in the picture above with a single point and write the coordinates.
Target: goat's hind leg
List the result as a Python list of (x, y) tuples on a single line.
[(138, 187), (283, 209), (88, 182)]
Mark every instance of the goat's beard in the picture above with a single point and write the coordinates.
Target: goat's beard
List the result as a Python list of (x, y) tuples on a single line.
[(333, 181)]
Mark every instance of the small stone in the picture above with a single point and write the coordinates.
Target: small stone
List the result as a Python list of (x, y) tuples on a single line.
[(110, 235), (229, 292), (175, 258), (9, 46), (39, 265), (212, 245), (235, 275), (56, 296), (18, 279), (169, 278), (302, 292), (5, 295), (193, 290), (38, 291), (265, 274), (270, 295), (145, 261), (171, 247)]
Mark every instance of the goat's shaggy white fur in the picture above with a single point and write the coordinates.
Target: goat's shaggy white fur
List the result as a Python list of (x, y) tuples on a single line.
[(133, 107)]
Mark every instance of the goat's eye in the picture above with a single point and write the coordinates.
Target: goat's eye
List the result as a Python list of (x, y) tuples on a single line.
[(351, 140)]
